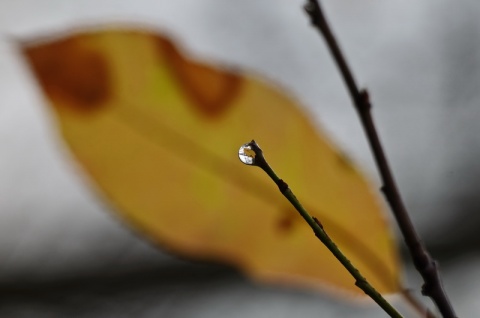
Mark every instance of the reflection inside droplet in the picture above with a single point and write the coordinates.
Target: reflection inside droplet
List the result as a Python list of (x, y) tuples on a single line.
[(247, 154)]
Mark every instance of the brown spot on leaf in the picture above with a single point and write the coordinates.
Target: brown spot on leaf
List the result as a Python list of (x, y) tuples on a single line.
[(210, 90), (286, 223), (70, 74)]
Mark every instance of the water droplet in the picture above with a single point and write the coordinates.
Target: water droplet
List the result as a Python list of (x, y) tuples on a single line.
[(247, 154)]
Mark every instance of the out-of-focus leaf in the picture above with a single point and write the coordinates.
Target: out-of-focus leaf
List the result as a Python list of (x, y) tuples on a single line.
[(159, 133)]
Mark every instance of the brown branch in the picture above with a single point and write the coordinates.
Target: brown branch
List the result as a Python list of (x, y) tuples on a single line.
[(422, 260)]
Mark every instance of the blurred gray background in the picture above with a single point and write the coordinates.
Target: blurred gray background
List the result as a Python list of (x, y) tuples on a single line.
[(63, 255)]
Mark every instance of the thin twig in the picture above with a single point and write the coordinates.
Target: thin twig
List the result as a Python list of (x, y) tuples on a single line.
[(251, 154), (416, 305), (422, 260)]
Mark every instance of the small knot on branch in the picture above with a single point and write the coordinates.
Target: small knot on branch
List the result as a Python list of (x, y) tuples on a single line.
[(362, 283), (312, 8), (430, 272), (387, 193), (364, 100), (282, 186), (318, 222)]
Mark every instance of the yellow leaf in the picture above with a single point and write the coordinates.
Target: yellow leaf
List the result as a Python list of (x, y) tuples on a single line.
[(159, 133)]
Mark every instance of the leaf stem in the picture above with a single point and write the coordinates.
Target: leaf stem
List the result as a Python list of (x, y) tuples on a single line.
[(422, 260), (360, 280)]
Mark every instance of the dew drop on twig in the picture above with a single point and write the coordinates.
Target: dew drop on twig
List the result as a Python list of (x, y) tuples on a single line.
[(247, 154)]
